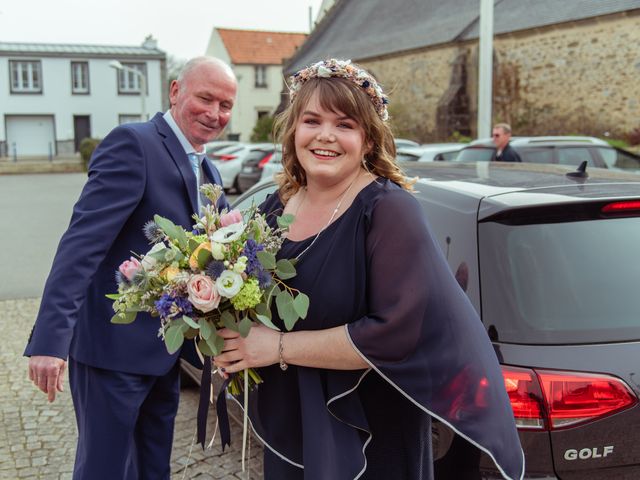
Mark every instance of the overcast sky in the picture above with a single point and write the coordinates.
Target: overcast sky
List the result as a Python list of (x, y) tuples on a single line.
[(181, 27)]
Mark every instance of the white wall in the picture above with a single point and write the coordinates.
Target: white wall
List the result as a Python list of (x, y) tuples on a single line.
[(251, 100), (103, 104)]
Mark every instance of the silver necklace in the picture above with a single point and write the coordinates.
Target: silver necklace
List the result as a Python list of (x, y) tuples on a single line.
[(333, 215)]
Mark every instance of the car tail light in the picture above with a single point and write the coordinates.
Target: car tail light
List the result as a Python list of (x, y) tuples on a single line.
[(264, 161), (553, 399), (225, 158), (622, 207), (525, 396)]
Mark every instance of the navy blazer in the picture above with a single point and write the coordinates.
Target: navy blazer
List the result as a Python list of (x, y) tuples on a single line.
[(137, 171)]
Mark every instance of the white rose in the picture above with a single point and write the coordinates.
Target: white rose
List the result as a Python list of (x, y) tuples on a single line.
[(217, 250), (229, 283)]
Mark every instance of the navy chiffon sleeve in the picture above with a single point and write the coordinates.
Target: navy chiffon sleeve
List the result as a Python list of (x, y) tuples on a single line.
[(423, 336)]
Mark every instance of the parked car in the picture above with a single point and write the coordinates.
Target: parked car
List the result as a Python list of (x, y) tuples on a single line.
[(253, 165), (429, 152), (272, 166), (403, 142), (229, 162), (562, 150), (549, 260), (215, 146)]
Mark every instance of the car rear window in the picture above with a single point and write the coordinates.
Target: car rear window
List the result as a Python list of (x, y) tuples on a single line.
[(475, 154), (562, 278), (619, 159)]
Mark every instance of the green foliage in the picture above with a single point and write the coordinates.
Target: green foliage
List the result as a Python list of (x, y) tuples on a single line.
[(615, 142), (262, 130), (457, 137), (86, 148)]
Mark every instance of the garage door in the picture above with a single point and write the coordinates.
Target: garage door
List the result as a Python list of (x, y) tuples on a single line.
[(30, 135)]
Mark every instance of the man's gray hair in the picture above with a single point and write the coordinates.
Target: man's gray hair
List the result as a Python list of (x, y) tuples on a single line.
[(506, 128)]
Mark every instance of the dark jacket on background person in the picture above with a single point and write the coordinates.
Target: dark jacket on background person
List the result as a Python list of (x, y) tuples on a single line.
[(508, 155)]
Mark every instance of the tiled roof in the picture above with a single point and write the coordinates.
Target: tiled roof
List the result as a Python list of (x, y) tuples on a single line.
[(76, 49), (259, 47), (359, 29)]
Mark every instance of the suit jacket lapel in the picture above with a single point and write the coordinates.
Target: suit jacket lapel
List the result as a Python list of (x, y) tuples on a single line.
[(179, 158)]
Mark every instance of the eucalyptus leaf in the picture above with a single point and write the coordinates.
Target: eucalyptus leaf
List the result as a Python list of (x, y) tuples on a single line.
[(123, 318), (204, 256), (244, 326), (284, 303), (301, 305), (174, 338), (204, 348), (191, 322), (193, 244), (267, 260), (262, 309), (205, 328), (229, 321), (172, 230), (285, 269), (266, 321), (285, 221), (215, 342), (113, 296)]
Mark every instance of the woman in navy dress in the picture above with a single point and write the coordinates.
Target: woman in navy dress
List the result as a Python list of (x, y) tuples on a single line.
[(390, 339)]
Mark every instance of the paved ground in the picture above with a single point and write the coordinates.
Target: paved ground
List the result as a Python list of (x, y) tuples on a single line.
[(37, 439)]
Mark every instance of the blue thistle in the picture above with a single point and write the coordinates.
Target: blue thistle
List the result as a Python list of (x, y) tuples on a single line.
[(264, 279), (120, 278), (214, 269), (153, 232)]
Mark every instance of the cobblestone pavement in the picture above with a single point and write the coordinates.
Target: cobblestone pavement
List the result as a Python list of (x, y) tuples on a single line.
[(38, 439)]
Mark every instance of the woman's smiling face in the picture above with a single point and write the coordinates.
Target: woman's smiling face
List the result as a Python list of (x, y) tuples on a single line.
[(329, 145)]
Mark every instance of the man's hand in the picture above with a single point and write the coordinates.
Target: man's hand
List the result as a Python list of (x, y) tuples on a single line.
[(47, 373)]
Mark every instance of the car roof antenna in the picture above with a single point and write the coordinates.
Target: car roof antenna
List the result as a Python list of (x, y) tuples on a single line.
[(580, 172)]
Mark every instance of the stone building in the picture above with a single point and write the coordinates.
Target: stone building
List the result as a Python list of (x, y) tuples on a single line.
[(560, 67)]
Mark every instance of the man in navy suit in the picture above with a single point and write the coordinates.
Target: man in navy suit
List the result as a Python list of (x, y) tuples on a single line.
[(123, 382)]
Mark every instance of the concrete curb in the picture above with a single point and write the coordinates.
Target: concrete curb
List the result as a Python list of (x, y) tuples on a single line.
[(17, 168)]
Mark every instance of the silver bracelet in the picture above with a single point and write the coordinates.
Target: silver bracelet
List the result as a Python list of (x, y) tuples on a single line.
[(283, 364)]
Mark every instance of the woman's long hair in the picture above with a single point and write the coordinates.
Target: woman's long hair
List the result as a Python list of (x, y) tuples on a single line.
[(336, 95)]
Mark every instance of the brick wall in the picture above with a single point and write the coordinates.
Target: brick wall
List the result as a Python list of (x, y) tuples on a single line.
[(573, 78)]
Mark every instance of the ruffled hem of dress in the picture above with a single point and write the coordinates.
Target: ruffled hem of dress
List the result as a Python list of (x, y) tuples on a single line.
[(421, 407)]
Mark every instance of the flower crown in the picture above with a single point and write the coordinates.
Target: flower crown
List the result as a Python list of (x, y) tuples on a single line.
[(342, 69)]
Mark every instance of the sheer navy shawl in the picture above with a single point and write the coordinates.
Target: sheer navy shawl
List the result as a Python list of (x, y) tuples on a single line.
[(378, 271)]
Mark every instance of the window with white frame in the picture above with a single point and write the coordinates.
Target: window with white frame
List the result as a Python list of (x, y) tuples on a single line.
[(26, 76), (261, 76), (80, 77), (129, 80)]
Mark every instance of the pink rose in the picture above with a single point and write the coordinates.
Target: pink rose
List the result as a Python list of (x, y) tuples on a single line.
[(229, 218), (128, 268), (203, 293)]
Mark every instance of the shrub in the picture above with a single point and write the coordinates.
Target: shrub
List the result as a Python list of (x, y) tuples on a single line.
[(87, 146), (262, 130)]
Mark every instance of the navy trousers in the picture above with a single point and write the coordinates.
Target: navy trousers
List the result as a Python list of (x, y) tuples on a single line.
[(125, 423)]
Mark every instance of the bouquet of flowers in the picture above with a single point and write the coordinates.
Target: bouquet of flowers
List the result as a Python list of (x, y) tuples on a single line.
[(223, 273)]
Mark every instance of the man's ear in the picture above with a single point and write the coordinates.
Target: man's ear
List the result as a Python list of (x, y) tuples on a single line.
[(174, 88)]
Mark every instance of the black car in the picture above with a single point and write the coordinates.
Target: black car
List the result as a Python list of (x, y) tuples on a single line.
[(253, 164), (563, 150), (549, 258)]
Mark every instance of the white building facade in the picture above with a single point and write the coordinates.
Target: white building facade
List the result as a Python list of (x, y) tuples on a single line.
[(256, 58), (52, 96)]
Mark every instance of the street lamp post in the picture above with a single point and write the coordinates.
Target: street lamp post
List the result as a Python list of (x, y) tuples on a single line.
[(485, 68), (143, 84)]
